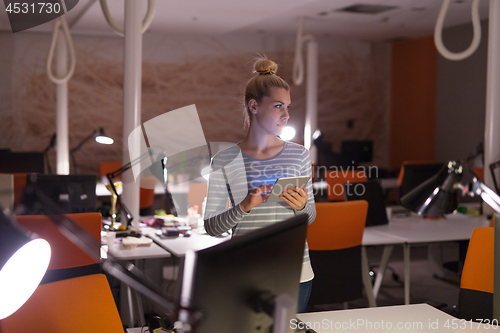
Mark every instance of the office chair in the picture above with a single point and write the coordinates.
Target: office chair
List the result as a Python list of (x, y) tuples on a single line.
[(68, 260), (79, 305), (475, 298), (336, 179), (335, 250), (197, 192), (372, 192)]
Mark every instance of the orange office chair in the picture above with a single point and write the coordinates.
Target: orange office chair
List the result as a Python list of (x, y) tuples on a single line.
[(335, 250), (479, 172), (68, 259), (146, 194), (79, 305), (337, 179), (197, 192), (476, 285)]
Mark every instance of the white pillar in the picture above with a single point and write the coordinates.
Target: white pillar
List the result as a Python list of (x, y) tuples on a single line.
[(492, 121), (62, 145), (311, 98), (492, 130), (131, 98)]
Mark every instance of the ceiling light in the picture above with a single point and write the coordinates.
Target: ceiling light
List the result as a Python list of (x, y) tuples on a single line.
[(366, 9)]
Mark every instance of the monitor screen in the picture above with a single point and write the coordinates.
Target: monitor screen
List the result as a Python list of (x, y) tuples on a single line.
[(224, 282), (416, 174), (358, 151), (72, 193), (21, 162), (373, 194)]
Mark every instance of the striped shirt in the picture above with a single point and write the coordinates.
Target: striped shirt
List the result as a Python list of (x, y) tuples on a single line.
[(233, 170)]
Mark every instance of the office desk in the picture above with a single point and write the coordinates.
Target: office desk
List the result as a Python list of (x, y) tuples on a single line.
[(404, 318), (101, 190), (119, 252), (178, 246), (415, 230), (420, 318)]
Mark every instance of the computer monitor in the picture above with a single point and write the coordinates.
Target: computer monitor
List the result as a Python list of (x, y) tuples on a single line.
[(21, 162), (225, 281), (358, 151), (72, 193), (416, 174), (372, 192)]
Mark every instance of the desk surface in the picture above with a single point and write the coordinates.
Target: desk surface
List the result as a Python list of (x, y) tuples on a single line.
[(405, 318), (421, 318), (375, 237), (101, 190), (415, 229), (179, 245), (140, 252)]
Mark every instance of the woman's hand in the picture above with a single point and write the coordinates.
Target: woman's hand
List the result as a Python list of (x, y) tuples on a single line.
[(296, 199), (256, 197)]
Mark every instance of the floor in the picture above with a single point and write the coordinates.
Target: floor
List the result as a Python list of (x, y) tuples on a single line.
[(424, 287)]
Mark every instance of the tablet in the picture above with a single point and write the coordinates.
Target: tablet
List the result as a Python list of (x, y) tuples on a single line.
[(282, 184)]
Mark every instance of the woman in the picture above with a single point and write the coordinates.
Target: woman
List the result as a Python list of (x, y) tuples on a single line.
[(243, 173)]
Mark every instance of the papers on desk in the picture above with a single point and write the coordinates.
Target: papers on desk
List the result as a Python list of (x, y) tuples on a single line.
[(133, 242), (171, 218), (458, 216)]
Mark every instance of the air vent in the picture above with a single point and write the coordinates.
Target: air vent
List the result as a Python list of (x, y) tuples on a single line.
[(366, 9)]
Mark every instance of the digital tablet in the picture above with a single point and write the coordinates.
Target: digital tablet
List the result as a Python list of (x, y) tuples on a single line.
[(282, 184)]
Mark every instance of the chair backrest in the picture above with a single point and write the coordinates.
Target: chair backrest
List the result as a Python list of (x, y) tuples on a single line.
[(65, 254), (334, 241), (476, 284), (479, 172), (147, 192), (338, 225), (107, 167), (337, 178), (372, 192), (197, 192), (78, 305)]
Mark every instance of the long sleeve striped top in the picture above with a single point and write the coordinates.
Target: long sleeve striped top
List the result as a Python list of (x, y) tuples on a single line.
[(238, 173)]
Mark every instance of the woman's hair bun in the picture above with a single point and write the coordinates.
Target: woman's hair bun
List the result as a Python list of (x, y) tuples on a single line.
[(265, 67)]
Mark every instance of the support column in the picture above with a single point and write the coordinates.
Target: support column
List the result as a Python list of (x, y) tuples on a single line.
[(62, 141), (492, 121), (311, 98), (131, 99)]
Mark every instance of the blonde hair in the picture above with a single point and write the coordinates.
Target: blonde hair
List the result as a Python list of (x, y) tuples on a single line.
[(260, 85)]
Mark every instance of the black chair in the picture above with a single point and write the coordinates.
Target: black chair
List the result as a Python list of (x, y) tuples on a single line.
[(373, 194)]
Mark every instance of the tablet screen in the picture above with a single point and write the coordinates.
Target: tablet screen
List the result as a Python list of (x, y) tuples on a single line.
[(282, 184)]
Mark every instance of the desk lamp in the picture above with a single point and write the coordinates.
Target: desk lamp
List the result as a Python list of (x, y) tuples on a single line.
[(24, 258), (437, 196), (100, 137)]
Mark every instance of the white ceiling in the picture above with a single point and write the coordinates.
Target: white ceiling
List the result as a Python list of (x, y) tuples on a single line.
[(412, 18)]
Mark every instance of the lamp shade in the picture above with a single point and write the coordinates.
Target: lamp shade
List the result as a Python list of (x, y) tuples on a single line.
[(102, 138), (437, 195), (23, 262)]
